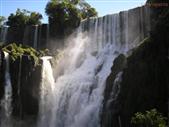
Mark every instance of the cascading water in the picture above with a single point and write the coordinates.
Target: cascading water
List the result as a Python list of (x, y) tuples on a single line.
[(75, 99), (4, 32), (6, 101), (47, 93), (116, 86), (35, 43), (78, 92)]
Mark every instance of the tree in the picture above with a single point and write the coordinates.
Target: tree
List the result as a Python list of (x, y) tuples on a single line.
[(2, 19), (23, 17), (86, 10), (18, 21), (65, 15), (150, 118), (34, 18)]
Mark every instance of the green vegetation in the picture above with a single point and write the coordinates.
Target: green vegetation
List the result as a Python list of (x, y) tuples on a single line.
[(18, 22), (69, 9), (17, 51), (2, 19), (24, 17), (65, 15), (86, 11), (150, 118)]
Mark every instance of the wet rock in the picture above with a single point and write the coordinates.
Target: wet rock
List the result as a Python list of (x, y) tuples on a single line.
[(25, 78), (109, 117), (2, 76)]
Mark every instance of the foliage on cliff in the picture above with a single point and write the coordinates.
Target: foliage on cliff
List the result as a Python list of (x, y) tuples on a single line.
[(65, 15), (17, 51), (150, 118), (24, 17)]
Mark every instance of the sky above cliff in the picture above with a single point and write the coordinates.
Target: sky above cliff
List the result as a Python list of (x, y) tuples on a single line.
[(102, 6)]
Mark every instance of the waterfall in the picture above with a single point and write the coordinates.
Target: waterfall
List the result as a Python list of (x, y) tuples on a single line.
[(7, 99), (115, 89), (47, 93), (35, 43), (116, 86), (4, 33), (75, 98), (77, 94)]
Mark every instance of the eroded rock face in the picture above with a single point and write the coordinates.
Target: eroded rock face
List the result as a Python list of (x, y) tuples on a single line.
[(36, 36), (2, 71), (143, 85), (25, 80), (109, 117), (15, 34)]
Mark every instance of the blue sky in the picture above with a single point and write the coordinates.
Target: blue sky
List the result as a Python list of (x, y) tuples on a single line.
[(102, 6)]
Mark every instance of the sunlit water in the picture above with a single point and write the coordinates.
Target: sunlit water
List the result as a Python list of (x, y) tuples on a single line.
[(47, 93), (71, 92), (75, 99), (3, 35)]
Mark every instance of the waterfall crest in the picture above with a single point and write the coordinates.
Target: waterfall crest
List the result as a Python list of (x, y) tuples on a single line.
[(46, 93), (82, 71)]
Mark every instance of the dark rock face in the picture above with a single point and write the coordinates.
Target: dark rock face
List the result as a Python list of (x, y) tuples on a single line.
[(29, 35), (56, 29), (2, 71), (35, 36), (29, 87), (25, 79), (109, 117), (15, 34), (43, 36), (143, 86)]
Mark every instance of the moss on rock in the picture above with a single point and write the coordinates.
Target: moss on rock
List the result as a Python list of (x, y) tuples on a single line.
[(17, 51)]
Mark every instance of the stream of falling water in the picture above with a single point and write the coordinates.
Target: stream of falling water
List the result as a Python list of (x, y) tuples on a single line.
[(75, 98), (71, 92), (47, 93), (3, 35), (35, 43), (7, 99)]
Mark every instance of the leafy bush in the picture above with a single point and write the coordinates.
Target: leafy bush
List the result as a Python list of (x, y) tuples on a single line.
[(17, 51), (86, 11), (150, 118)]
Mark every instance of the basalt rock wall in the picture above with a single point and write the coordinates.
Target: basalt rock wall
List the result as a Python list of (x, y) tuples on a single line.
[(25, 80)]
